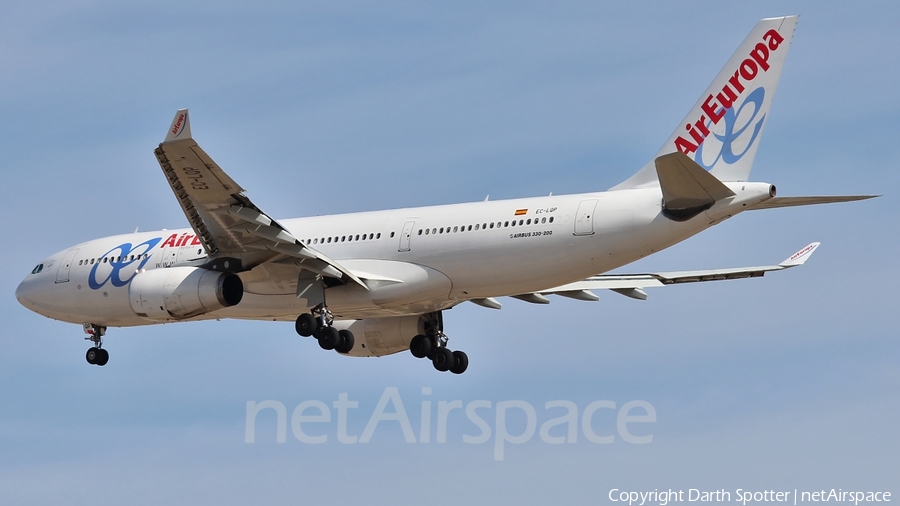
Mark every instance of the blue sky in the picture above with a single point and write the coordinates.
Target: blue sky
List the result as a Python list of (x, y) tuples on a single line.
[(779, 383)]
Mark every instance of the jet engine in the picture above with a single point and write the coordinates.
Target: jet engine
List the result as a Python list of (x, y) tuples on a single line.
[(376, 337), (176, 293)]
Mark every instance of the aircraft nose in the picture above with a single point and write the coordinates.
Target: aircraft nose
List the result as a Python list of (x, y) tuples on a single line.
[(25, 293)]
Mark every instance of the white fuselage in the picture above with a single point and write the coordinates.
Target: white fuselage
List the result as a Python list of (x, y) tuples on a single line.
[(443, 254)]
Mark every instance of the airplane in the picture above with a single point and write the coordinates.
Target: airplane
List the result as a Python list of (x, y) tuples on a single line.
[(376, 283)]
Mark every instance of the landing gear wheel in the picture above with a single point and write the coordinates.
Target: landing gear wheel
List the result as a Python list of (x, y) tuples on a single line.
[(462, 362), (420, 346), (102, 357), (443, 359), (306, 325), (328, 338), (345, 341), (92, 355)]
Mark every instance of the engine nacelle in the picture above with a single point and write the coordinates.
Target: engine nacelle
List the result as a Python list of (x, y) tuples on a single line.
[(376, 337), (176, 293)]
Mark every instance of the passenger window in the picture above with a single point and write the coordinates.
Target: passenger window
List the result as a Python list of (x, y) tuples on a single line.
[(420, 231), (329, 240), (551, 219), (476, 226), (513, 224), (454, 229), (470, 228), (528, 222), (378, 236), (392, 235), (357, 237)]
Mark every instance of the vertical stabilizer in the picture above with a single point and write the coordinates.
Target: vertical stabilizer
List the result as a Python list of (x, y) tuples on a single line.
[(723, 130)]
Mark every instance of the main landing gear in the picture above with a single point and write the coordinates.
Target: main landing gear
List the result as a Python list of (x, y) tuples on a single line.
[(433, 345), (319, 324), (95, 355)]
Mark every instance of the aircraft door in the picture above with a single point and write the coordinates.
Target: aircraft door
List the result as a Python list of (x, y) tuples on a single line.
[(62, 274), (406, 235), (169, 256), (584, 218)]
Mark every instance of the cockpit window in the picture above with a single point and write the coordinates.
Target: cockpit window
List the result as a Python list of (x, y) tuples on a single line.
[(37, 269)]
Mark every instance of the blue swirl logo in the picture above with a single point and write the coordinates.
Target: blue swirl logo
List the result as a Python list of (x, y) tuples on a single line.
[(731, 134), (121, 261)]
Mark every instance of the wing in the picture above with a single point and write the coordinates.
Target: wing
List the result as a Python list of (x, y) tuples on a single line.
[(236, 234), (632, 285)]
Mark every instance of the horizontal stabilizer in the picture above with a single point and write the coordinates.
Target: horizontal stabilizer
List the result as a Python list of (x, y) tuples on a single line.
[(808, 201), (687, 189)]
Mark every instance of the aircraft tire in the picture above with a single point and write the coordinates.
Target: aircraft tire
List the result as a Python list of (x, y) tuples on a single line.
[(443, 359), (305, 325), (91, 355), (420, 346), (328, 338), (345, 341), (102, 357), (461, 362)]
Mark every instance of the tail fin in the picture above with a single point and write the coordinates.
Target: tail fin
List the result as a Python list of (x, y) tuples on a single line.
[(722, 131)]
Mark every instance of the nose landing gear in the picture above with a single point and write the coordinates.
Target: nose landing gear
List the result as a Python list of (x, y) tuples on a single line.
[(96, 355)]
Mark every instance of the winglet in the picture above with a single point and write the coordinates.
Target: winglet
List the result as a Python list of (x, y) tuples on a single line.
[(800, 257), (180, 128)]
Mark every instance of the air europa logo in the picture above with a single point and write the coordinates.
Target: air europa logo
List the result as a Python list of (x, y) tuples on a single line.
[(125, 256), (801, 252), (176, 241), (731, 132), (716, 107), (179, 125)]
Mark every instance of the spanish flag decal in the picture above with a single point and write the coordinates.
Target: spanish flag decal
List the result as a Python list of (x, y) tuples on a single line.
[(520, 212)]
